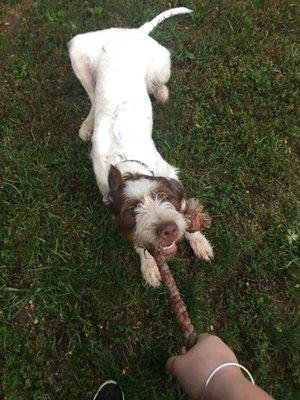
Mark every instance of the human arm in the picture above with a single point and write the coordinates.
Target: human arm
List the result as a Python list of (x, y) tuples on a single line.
[(193, 368)]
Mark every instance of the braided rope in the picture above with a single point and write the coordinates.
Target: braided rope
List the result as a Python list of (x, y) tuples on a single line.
[(189, 337), (196, 220)]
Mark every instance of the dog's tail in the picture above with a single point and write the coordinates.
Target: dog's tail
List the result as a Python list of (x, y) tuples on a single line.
[(149, 26)]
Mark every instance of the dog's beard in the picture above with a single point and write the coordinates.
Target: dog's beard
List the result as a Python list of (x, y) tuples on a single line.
[(149, 216)]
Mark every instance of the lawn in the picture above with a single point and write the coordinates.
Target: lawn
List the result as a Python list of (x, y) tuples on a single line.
[(74, 309)]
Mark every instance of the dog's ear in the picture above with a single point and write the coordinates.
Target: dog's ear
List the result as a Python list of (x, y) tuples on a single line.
[(114, 179)]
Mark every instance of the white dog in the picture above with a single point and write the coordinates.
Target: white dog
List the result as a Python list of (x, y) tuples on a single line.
[(119, 68)]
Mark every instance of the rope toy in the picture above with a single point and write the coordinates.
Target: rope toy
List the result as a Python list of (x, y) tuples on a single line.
[(196, 220)]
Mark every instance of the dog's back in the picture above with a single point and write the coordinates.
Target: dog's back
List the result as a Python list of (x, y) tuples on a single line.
[(120, 55), (130, 50), (119, 68)]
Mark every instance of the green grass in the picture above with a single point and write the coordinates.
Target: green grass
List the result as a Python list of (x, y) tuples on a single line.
[(74, 308)]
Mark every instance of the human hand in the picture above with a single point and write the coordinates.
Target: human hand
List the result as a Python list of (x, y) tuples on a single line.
[(193, 368)]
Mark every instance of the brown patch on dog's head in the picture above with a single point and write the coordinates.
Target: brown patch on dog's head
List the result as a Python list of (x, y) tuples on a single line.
[(153, 211), (172, 191), (148, 210)]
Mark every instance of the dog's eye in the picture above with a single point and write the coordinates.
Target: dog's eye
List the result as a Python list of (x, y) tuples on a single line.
[(132, 208), (161, 195)]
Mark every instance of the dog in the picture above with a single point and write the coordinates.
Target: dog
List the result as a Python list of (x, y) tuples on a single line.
[(119, 68)]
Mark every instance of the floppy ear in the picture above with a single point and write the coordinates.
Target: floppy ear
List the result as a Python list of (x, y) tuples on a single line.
[(114, 178)]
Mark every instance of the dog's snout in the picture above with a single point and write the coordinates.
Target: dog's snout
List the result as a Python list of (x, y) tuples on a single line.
[(168, 231)]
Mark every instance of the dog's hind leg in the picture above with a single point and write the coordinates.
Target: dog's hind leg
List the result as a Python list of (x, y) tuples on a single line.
[(159, 71), (82, 69)]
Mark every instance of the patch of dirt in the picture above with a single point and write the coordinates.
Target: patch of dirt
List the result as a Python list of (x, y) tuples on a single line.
[(17, 269), (13, 16), (25, 317)]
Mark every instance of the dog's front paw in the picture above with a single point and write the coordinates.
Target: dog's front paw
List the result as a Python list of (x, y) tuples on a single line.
[(86, 129), (201, 246), (150, 272)]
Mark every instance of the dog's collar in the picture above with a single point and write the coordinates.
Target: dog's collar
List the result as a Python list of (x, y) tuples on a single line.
[(139, 163)]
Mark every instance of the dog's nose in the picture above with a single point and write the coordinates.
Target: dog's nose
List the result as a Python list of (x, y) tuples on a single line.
[(168, 231)]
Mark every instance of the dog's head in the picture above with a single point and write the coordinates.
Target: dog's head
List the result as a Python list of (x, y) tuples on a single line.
[(148, 210)]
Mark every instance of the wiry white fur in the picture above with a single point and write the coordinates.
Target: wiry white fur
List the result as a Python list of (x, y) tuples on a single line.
[(118, 68), (149, 267), (151, 211), (149, 26), (149, 214), (140, 188), (134, 168), (200, 245)]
